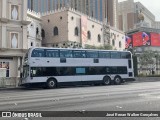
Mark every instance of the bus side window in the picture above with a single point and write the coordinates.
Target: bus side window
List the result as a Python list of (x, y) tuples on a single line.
[(108, 70), (104, 54)]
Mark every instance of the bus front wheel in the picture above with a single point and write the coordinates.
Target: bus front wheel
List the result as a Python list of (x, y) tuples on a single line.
[(107, 80), (51, 83), (117, 80)]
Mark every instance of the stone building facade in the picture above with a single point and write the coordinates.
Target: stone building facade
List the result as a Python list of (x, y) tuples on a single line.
[(56, 35), (13, 39), (19, 30), (98, 9), (34, 29)]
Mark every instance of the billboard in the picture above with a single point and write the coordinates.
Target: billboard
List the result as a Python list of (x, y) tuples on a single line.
[(155, 39), (137, 39), (128, 42), (84, 29), (141, 39)]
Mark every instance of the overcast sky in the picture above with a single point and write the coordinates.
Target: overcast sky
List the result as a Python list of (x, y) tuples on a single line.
[(152, 5)]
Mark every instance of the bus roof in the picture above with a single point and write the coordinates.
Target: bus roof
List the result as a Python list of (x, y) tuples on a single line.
[(76, 49)]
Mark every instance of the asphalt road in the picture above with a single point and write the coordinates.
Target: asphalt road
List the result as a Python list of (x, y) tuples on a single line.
[(144, 96)]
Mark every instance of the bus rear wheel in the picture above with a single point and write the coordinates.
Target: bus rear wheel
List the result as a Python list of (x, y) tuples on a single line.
[(51, 83), (106, 80), (117, 80)]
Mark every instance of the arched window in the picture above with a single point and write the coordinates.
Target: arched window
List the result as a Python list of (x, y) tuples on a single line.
[(120, 44), (89, 35), (113, 42), (37, 31), (99, 38), (55, 31), (42, 33), (76, 31)]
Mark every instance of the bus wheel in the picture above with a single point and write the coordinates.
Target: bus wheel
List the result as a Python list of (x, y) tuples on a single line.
[(107, 80), (51, 83), (117, 80)]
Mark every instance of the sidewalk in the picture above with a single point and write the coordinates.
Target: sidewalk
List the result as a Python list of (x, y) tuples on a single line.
[(10, 88), (147, 79)]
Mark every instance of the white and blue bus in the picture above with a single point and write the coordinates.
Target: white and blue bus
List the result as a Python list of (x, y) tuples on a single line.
[(52, 67)]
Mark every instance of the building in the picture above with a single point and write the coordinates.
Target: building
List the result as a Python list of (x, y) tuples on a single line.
[(128, 15), (80, 30), (99, 9), (117, 39), (157, 24), (13, 39), (34, 29)]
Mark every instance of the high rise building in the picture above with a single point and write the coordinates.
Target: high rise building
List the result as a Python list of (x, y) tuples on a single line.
[(98, 9), (128, 15)]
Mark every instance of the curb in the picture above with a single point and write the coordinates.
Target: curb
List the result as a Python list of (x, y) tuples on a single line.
[(10, 88)]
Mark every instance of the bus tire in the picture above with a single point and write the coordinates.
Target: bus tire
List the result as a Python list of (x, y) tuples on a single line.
[(117, 80), (106, 80), (51, 83)]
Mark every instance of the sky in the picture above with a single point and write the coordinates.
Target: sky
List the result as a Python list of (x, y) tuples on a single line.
[(152, 5)]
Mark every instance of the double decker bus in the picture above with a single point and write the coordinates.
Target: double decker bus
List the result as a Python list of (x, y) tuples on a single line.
[(51, 67)]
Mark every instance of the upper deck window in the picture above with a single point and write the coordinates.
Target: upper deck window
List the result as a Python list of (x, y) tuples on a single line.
[(79, 54), (66, 54), (38, 53), (115, 55), (104, 54), (92, 54), (52, 53)]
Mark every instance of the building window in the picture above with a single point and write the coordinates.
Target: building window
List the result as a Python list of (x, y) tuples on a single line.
[(72, 18), (4, 69), (89, 35), (120, 44), (99, 38), (113, 42), (37, 31), (76, 31), (31, 44), (42, 33), (14, 40), (55, 31)]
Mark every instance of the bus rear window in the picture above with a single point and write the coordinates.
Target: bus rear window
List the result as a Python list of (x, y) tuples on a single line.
[(38, 53), (126, 55)]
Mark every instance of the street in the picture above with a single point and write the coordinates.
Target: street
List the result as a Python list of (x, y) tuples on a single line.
[(134, 96)]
